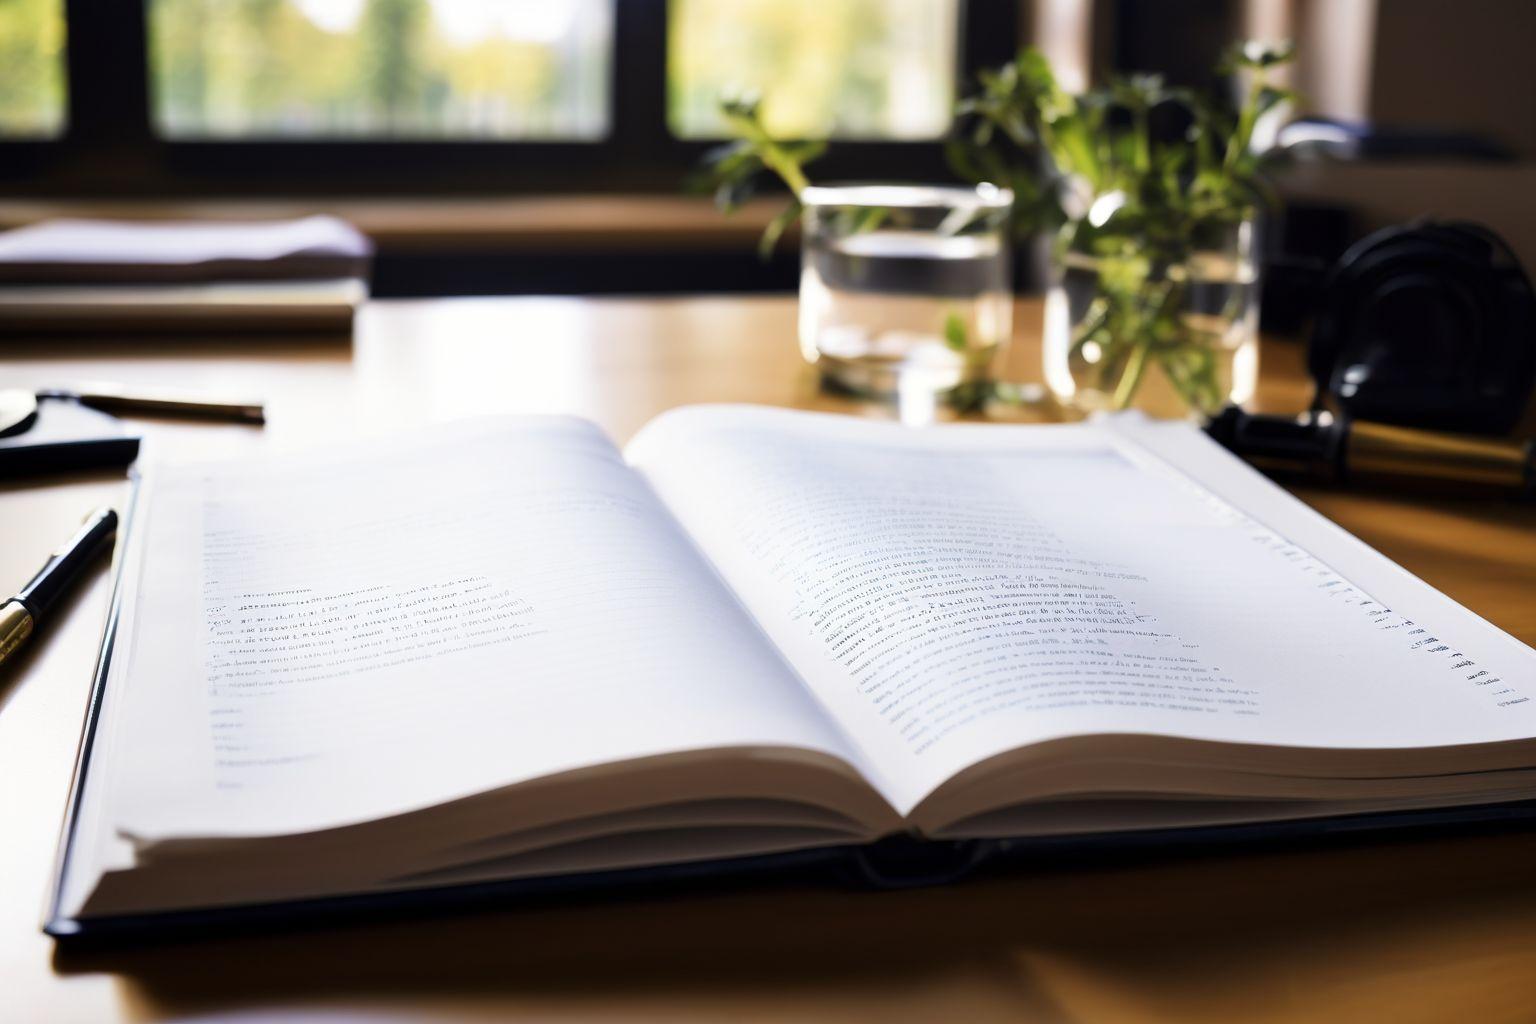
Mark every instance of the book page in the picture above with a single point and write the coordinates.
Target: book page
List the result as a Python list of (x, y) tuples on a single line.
[(954, 593), (324, 639)]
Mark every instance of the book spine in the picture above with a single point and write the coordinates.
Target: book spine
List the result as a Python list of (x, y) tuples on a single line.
[(910, 862)]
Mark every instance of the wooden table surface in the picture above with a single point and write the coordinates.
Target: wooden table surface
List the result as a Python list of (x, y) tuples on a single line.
[(1421, 930)]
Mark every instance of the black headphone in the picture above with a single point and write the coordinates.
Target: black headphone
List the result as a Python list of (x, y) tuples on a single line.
[(1430, 325)]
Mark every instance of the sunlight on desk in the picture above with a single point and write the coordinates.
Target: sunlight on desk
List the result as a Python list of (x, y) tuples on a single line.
[(1269, 935)]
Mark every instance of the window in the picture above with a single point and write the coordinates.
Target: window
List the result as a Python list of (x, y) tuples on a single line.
[(869, 69), (31, 68), (395, 97), (422, 69)]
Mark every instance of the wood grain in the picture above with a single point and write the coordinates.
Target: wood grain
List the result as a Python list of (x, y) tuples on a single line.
[(1425, 930)]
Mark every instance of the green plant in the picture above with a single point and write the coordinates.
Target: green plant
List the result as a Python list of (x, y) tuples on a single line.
[(1128, 194), (736, 171)]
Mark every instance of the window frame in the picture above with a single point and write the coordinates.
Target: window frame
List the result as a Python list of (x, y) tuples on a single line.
[(109, 145)]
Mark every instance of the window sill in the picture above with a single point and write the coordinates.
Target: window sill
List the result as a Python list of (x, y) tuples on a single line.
[(504, 224)]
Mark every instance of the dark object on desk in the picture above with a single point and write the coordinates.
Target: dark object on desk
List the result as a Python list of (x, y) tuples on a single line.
[(1428, 325), (39, 437), (21, 614), (72, 275), (1424, 344), (1307, 237), (114, 399), (1327, 447), (18, 411), (1302, 242), (59, 430)]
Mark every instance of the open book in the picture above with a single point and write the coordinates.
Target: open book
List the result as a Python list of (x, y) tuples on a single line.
[(504, 649)]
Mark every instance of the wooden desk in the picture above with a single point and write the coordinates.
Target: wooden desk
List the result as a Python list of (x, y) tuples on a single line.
[(1412, 931)]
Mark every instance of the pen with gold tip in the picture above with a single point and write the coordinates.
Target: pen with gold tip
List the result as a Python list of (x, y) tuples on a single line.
[(31, 605)]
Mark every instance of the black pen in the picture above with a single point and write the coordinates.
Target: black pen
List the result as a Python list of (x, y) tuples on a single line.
[(161, 402), (21, 614)]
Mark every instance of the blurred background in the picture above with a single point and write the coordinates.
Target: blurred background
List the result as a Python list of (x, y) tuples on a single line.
[(539, 146)]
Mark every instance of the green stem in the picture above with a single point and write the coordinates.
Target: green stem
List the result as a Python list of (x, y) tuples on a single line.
[(1130, 380), (1185, 382), (786, 169), (1143, 142), (1246, 119), (773, 156), (1096, 317)]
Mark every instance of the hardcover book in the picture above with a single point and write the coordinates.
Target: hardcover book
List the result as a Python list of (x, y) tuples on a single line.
[(506, 651)]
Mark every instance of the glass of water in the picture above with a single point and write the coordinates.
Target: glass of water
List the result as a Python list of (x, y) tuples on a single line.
[(905, 288), (1171, 329)]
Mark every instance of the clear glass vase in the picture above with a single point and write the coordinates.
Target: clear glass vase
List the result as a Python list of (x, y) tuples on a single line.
[(905, 287), (1174, 337)]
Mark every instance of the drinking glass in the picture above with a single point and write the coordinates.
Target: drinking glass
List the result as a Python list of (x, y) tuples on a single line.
[(905, 287)]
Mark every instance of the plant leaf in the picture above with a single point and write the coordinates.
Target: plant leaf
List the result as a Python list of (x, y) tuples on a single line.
[(776, 228), (954, 333)]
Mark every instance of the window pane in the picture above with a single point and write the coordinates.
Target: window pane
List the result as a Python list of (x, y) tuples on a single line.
[(844, 68), (500, 69), (31, 67)]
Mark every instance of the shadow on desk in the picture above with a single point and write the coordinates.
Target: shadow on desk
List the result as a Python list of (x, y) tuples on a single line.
[(1256, 936)]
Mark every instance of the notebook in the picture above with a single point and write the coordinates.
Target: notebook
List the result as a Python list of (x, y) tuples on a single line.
[(99, 252), (505, 652), (307, 274)]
